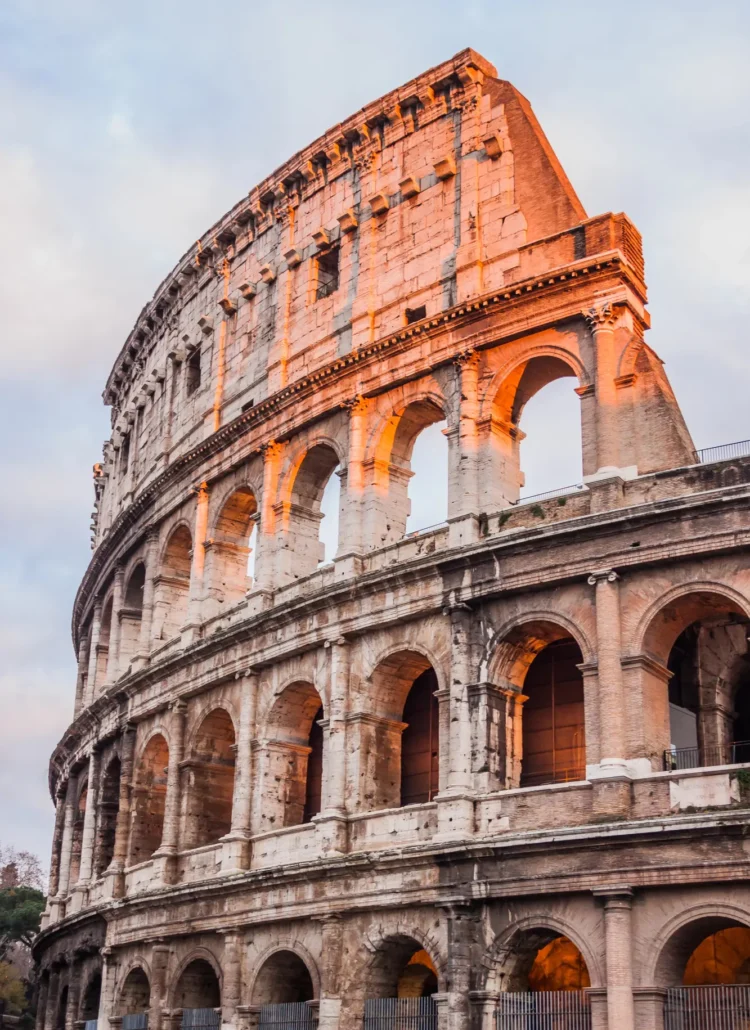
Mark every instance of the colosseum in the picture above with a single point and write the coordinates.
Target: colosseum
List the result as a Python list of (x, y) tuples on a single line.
[(493, 775)]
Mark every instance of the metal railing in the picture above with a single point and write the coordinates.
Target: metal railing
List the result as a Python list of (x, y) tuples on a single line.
[(544, 1010), (90, 1024), (296, 1015), (201, 1019), (135, 1021), (678, 758), (561, 491), (725, 1007), (738, 449), (400, 1014)]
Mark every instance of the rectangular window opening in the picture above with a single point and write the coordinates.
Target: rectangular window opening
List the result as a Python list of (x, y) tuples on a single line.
[(327, 273), (415, 314), (125, 453), (193, 372)]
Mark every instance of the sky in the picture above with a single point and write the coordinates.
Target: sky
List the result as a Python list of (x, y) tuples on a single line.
[(126, 130)]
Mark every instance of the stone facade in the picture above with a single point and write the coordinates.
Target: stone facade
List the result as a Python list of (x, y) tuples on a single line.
[(230, 825)]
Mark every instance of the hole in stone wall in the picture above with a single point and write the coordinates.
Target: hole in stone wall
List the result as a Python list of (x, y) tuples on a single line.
[(327, 273), (420, 742), (193, 371), (283, 979), (415, 314)]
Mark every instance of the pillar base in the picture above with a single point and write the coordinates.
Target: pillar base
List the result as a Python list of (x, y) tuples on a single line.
[(190, 634), (78, 898), (165, 866), (347, 566), (598, 1000), (114, 882), (235, 853), (140, 661), (332, 833), (612, 797), (649, 1007), (328, 1013), (258, 600), (463, 529), (55, 911), (455, 817)]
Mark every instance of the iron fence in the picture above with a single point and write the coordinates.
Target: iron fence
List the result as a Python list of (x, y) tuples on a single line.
[(201, 1019), (544, 1010), (738, 449), (135, 1021), (725, 1007), (678, 758), (561, 491), (296, 1015), (90, 1024), (400, 1014)]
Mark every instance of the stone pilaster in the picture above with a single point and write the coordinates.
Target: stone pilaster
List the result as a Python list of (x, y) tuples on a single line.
[(149, 591), (231, 969), (191, 631), (122, 826), (66, 850), (456, 802), (236, 853), (618, 903), (113, 657), (331, 823), (170, 839), (89, 821), (159, 962), (96, 629), (332, 932)]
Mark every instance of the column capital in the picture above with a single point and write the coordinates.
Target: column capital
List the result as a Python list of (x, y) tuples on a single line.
[(615, 897), (602, 576), (601, 316), (178, 707)]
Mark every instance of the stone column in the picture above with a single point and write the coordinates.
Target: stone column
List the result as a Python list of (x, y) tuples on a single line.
[(122, 825), (41, 1002), (89, 821), (231, 976), (74, 997), (54, 865), (236, 853), (149, 589), (195, 603), (160, 953), (601, 322), (172, 802), (267, 544), (67, 838), (352, 525), (81, 678), (113, 657), (456, 803), (106, 998), (331, 823), (53, 992), (463, 455), (618, 904), (462, 928), (612, 789), (96, 628), (332, 932)]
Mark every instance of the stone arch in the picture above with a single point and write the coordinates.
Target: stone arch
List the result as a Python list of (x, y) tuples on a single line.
[(300, 495), (82, 800), (539, 691), (196, 983), (208, 814), (229, 550), (107, 808), (284, 972), (91, 996), (388, 462), (149, 797), (293, 756), (675, 609), (671, 947), (131, 614), (511, 955), (172, 585), (134, 994)]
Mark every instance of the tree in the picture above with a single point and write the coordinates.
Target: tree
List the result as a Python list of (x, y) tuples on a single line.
[(12, 991), (20, 869), (20, 912)]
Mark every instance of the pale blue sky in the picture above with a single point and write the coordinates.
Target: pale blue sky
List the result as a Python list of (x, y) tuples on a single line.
[(127, 129)]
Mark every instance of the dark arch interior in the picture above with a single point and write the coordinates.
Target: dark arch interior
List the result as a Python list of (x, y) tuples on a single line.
[(554, 734), (109, 804), (212, 787), (91, 997), (559, 966), (283, 978), (134, 592), (62, 1008), (136, 992), (420, 742), (402, 969), (722, 957), (198, 987), (314, 782)]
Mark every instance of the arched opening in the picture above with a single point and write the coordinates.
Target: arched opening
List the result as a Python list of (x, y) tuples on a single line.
[(283, 979), (702, 638), (330, 510), (172, 585), (400, 986), (109, 805), (554, 734), (420, 742), (211, 782), (706, 969), (536, 430), (91, 998), (395, 461), (77, 841), (102, 649), (62, 1008), (131, 615), (198, 989), (428, 487), (135, 996), (149, 797), (399, 746), (304, 515), (293, 758), (559, 966), (230, 555)]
